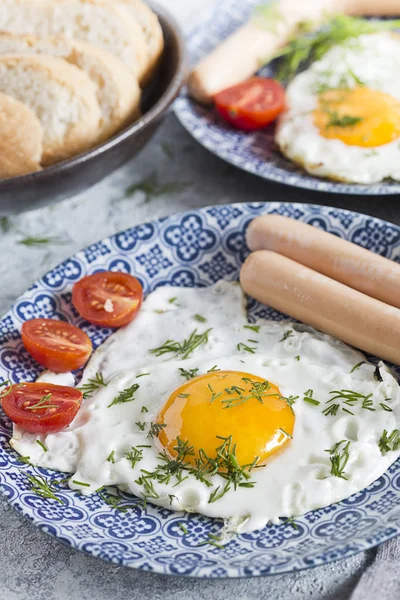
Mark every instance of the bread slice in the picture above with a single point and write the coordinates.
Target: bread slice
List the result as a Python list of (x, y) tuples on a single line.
[(21, 138), (151, 27), (118, 92), (62, 97), (100, 22)]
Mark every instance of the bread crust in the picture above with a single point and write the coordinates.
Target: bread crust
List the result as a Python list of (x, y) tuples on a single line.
[(21, 137), (118, 92), (83, 131)]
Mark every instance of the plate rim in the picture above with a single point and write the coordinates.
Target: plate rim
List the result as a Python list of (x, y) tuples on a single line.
[(308, 208), (302, 180)]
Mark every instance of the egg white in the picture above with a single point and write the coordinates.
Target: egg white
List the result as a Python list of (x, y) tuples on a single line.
[(294, 481), (375, 61)]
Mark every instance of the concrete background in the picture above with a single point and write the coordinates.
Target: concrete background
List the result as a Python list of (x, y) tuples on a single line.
[(35, 566)]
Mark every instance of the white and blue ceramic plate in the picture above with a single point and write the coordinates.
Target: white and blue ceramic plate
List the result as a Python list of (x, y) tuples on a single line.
[(255, 152), (192, 249)]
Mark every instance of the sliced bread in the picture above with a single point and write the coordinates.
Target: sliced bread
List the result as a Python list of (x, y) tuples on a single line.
[(62, 97), (117, 90), (21, 138), (103, 23), (151, 27)]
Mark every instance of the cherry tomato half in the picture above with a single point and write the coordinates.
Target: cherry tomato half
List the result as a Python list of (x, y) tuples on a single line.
[(41, 407), (108, 299), (57, 345), (252, 104)]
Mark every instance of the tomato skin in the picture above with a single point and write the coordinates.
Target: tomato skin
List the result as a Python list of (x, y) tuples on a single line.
[(252, 104), (57, 345), (121, 291), (63, 404)]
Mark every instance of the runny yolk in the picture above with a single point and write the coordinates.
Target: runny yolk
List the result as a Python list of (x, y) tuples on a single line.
[(222, 404), (358, 117)]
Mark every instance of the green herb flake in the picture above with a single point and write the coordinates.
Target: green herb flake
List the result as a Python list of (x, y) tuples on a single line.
[(93, 385), (389, 443), (111, 457), (189, 374), (144, 409), (182, 349), (43, 447), (200, 318), (141, 425), (255, 328), (289, 333), (308, 397), (126, 395), (340, 454), (82, 483), (42, 488), (357, 366), (183, 528), (134, 456), (152, 188)]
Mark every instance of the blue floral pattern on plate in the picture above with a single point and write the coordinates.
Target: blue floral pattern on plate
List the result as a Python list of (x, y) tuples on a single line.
[(253, 152), (193, 249)]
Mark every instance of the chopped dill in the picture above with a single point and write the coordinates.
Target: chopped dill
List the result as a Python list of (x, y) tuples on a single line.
[(200, 318), (43, 447), (93, 385), (289, 333), (126, 395), (185, 348), (255, 328), (388, 443), (134, 456), (110, 457), (43, 489), (189, 374), (340, 454)]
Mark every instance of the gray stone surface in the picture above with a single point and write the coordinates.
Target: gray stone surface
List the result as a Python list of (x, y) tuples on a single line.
[(35, 566)]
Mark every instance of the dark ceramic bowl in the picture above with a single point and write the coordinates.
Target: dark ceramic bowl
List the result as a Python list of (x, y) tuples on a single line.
[(72, 176)]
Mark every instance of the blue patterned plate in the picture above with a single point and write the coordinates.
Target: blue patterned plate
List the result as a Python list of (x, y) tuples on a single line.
[(192, 249), (253, 152)]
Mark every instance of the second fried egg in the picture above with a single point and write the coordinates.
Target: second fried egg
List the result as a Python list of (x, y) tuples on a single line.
[(343, 113)]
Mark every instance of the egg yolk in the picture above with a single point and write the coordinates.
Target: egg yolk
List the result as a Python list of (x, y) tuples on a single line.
[(358, 117), (227, 403)]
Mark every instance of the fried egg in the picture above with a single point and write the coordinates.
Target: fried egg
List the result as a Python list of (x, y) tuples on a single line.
[(342, 119), (201, 411)]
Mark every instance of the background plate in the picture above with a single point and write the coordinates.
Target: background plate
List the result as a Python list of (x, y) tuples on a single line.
[(191, 249), (253, 152)]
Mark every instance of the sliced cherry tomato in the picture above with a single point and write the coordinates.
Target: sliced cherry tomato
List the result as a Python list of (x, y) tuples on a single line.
[(252, 104), (109, 299), (57, 345), (41, 407)]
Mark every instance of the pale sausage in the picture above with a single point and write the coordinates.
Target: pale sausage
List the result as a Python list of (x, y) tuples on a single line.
[(326, 253), (243, 53), (323, 303)]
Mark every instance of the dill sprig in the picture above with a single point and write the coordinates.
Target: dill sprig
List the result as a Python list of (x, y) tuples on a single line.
[(289, 333), (336, 120), (340, 455), (115, 501), (32, 241), (246, 348), (308, 397), (42, 488), (255, 328), (43, 447), (202, 467), (212, 540), (152, 188), (42, 403), (189, 374), (93, 385), (257, 391), (388, 443), (302, 49), (349, 398), (357, 366), (155, 429), (182, 349), (127, 395), (183, 527), (200, 318), (134, 456)]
